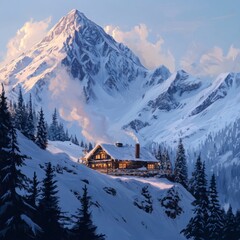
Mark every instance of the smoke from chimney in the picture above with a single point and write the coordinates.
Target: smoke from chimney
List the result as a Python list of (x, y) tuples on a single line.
[(137, 150)]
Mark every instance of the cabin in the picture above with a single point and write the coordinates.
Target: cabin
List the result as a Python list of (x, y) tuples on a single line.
[(119, 158)]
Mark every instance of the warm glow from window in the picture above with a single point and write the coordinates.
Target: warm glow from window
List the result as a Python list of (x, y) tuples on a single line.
[(122, 165), (98, 156), (150, 166)]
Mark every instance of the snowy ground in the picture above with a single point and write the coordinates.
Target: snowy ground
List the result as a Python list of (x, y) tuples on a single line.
[(115, 215)]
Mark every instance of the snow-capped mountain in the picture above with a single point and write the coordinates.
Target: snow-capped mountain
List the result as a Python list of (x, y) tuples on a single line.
[(94, 81), (104, 93)]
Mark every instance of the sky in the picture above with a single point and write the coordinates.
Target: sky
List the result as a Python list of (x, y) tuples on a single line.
[(201, 37)]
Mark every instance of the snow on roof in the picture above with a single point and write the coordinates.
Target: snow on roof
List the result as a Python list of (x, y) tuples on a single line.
[(124, 153)]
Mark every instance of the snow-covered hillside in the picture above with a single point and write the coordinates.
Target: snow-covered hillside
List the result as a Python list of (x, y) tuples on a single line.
[(104, 93), (113, 198)]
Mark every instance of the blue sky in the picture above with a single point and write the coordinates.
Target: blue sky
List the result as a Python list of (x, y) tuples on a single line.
[(178, 33)]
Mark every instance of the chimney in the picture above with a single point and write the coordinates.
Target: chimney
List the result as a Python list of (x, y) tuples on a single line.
[(137, 150)]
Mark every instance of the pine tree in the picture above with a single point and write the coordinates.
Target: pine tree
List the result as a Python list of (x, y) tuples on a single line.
[(60, 133), (21, 114), (166, 163), (90, 146), (53, 129), (84, 228), (15, 214), (171, 203), (30, 125), (180, 171), (148, 208), (193, 183), (33, 191), (215, 219), (41, 138), (197, 226), (230, 226), (5, 126), (49, 210), (237, 220)]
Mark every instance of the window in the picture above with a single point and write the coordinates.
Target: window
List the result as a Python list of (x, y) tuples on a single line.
[(103, 155), (122, 165), (151, 166), (98, 156)]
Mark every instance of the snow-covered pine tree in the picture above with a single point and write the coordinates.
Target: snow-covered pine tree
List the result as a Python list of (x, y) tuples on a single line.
[(180, 170), (30, 125), (60, 133), (215, 219), (166, 162), (84, 228), (230, 226), (15, 215), (148, 200), (41, 137), (21, 114), (49, 210), (53, 129), (197, 226), (171, 203), (193, 182)]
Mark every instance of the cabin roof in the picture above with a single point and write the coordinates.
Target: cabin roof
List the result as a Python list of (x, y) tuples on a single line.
[(124, 153)]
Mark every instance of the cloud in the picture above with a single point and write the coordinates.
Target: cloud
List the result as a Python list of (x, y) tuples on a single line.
[(151, 54), (211, 62), (94, 125), (28, 35)]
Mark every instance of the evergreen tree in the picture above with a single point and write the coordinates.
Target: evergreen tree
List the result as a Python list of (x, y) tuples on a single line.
[(84, 228), (21, 114), (180, 171), (5, 126), (90, 146), (237, 218), (171, 203), (197, 226), (15, 214), (33, 191), (193, 183), (49, 210), (53, 129), (166, 163), (82, 144), (215, 219), (30, 125), (230, 226), (41, 138), (148, 200), (60, 133)]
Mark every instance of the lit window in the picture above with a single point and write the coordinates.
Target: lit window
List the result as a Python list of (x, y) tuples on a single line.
[(122, 165), (103, 155), (98, 156), (150, 166)]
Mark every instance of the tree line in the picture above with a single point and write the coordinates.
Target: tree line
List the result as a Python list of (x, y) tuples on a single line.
[(34, 126), (36, 214), (209, 221)]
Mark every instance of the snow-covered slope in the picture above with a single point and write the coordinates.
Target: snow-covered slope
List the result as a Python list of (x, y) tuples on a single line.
[(113, 199)]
